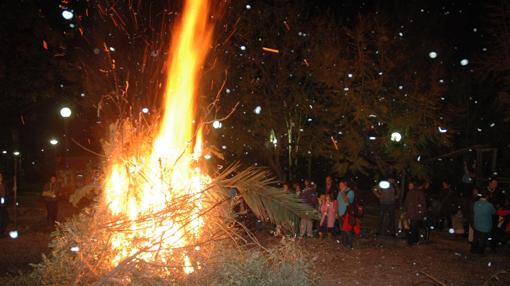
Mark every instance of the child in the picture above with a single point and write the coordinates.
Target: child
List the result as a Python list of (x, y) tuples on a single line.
[(329, 214)]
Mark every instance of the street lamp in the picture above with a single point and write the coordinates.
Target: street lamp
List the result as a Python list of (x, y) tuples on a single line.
[(65, 112), (396, 137), (384, 184), (16, 153), (13, 234), (217, 124), (53, 141)]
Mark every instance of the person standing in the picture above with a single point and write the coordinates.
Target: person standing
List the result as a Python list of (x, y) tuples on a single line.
[(345, 197), (4, 215), (309, 197), (330, 188), (328, 216), (497, 198), (494, 194), (483, 211), (447, 205), (386, 196), (297, 189), (415, 207), (50, 194)]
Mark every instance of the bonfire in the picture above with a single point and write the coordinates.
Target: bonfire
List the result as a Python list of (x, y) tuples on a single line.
[(161, 217)]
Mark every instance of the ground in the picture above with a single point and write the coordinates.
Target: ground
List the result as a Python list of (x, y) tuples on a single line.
[(373, 261)]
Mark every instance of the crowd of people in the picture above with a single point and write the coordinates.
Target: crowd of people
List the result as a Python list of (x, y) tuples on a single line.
[(479, 214), (336, 204)]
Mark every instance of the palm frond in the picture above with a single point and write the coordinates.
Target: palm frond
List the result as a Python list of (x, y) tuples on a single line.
[(258, 189)]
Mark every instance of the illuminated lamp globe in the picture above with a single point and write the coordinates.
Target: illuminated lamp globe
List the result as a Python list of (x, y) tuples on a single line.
[(68, 15), (384, 184), (13, 234), (396, 137), (16, 153), (217, 124), (53, 141), (65, 112)]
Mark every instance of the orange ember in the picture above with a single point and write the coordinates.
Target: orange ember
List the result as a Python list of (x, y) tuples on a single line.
[(165, 173)]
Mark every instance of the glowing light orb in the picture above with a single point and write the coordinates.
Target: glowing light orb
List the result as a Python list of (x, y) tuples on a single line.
[(464, 62), (257, 110), (53, 141), (68, 15), (4, 152), (442, 130), (145, 110), (432, 55), (451, 231), (75, 249), (16, 153)]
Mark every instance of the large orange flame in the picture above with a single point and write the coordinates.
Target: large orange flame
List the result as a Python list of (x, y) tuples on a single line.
[(167, 168)]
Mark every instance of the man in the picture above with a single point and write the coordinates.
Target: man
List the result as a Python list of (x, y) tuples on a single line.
[(415, 207), (447, 205), (494, 195), (497, 198), (309, 197), (386, 196), (483, 224), (344, 199), (50, 194)]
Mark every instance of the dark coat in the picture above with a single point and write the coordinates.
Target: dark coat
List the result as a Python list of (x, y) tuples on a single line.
[(415, 205), (309, 197)]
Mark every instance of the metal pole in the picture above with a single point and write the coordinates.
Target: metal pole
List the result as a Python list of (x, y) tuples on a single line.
[(15, 189)]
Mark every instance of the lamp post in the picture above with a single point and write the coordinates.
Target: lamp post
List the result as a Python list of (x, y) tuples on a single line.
[(65, 113), (54, 142), (17, 155)]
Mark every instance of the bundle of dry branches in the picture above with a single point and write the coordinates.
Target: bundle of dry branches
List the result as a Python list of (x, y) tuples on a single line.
[(82, 247)]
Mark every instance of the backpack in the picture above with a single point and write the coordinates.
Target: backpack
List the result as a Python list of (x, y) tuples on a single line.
[(356, 209)]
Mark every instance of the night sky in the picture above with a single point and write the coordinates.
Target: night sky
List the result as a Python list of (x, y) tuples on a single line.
[(34, 86)]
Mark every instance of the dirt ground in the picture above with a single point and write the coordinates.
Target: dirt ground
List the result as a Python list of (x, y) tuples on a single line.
[(373, 261)]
